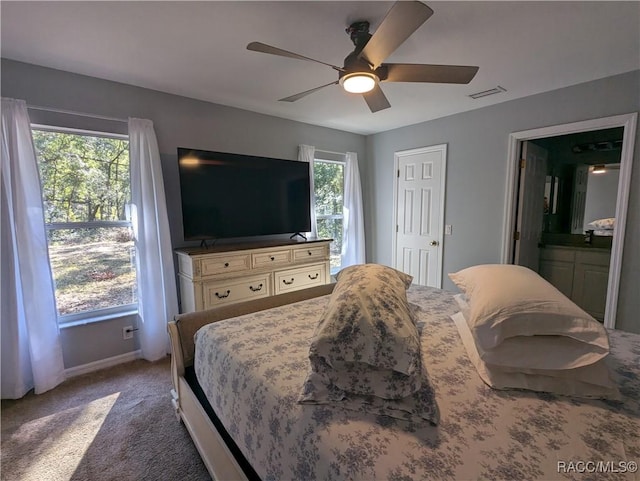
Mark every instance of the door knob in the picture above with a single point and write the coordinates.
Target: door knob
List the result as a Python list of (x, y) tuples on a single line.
[(433, 243)]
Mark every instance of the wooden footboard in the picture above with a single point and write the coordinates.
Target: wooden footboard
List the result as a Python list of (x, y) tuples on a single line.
[(209, 442)]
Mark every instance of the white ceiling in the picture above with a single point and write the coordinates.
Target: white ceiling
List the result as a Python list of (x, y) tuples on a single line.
[(198, 50)]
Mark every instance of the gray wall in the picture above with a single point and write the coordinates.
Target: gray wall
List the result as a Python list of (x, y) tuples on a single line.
[(179, 122), (476, 175), (476, 165)]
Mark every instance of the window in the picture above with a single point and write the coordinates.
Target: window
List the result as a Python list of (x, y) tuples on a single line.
[(328, 180), (86, 191)]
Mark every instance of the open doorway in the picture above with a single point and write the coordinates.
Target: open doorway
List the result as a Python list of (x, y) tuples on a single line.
[(583, 262)]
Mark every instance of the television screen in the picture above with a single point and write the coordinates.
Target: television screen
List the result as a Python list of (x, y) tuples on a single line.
[(230, 195)]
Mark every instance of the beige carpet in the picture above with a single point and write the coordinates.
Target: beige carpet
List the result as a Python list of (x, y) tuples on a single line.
[(114, 424)]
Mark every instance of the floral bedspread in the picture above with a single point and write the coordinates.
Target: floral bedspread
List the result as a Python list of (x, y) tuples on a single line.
[(253, 367)]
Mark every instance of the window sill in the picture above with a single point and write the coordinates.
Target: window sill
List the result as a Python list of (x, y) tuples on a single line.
[(94, 319)]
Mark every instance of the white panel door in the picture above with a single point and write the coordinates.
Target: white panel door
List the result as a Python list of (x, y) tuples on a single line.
[(419, 213), (533, 175)]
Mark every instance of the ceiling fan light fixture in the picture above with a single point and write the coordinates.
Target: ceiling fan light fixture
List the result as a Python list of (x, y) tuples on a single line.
[(359, 82)]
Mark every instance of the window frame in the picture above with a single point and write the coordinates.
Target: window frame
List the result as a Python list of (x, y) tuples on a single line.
[(343, 163), (101, 314)]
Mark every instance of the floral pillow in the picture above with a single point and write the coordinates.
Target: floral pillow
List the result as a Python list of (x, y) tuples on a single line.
[(418, 407), (603, 224), (367, 342)]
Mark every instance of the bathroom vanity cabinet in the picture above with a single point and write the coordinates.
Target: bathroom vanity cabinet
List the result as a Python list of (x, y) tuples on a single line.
[(580, 273)]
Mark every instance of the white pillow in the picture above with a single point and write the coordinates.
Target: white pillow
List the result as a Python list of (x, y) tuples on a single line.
[(537, 352), (592, 381), (506, 301)]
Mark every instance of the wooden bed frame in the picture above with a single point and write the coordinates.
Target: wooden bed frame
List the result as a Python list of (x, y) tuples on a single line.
[(217, 456)]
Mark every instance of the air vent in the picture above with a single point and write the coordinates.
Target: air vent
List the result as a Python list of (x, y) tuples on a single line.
[(486, 93)]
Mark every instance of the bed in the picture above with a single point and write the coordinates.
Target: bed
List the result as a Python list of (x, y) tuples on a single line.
[(237, 384)]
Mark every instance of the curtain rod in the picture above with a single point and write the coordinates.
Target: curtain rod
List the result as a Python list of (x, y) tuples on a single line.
[(331, 152), (80, 114)]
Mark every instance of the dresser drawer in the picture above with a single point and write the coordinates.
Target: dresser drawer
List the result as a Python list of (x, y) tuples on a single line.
[(235, 290), (301, 254), (271, 258), (223, 264), (300, 278)]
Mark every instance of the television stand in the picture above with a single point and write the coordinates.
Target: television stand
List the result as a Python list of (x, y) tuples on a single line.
[(204, 245), (229, 273), (298, 234)]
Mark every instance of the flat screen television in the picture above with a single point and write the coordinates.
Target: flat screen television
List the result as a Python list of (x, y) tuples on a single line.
[(231, 195)]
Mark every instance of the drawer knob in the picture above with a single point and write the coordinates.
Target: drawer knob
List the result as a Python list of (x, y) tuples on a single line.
[(314, 277), (256, 289), (272, 258), (288, 283), (223, 296), (310, 253), (226, 264)]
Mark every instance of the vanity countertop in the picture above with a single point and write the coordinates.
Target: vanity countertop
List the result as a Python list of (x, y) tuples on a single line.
[(576, 246), (576, 241)]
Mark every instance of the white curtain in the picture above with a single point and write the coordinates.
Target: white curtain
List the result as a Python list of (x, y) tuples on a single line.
[(307, 153), (31, 350), (353, 249), (157, 295)]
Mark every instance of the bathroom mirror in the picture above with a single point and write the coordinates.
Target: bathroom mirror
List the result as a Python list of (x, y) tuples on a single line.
[(582, 179)]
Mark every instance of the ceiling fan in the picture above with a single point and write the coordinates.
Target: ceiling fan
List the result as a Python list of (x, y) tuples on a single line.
[(364, 70)]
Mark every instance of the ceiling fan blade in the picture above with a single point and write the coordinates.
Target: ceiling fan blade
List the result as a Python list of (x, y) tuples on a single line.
[(401, 21), (264, 48), (448, 74), (376, 100), (295, 97)]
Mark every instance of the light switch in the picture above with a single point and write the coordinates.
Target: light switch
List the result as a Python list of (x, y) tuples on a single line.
[(448, 229)]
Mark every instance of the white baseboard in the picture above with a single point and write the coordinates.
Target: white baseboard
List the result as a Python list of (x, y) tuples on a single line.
[(102, 363)]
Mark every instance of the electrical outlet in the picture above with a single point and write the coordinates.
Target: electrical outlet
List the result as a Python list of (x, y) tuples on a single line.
[(127, 332)]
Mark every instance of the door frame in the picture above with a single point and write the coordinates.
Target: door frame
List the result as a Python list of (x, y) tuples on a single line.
[(629, 122), (396, 172)]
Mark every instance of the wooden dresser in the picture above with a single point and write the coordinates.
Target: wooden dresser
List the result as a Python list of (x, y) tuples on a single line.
[(226, 274)]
